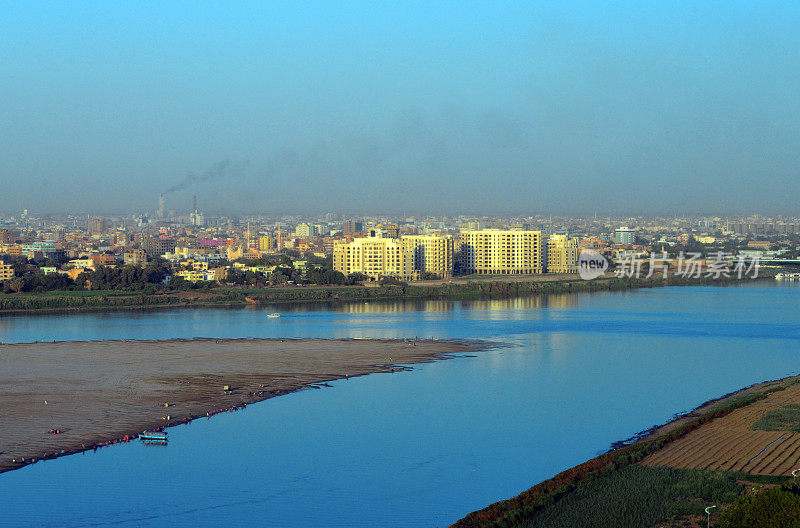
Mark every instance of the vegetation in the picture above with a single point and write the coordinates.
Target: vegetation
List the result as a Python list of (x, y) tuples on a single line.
[(786, 418), (126, 278), (147, 283), (778, 507), (642, 496), (601, 471)]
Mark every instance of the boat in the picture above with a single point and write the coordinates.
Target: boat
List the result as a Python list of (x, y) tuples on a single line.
[(273, 315), (154, 442), (153, 435)]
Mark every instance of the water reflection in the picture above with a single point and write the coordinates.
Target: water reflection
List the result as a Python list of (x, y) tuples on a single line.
[(536, 302)]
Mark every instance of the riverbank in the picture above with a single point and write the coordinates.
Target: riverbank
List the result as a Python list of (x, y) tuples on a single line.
[(663, 476), (461, 289), (96, 393)]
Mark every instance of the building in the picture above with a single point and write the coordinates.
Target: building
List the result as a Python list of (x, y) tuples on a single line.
[(351, 226), (197, 219), (266, 243), (432, 254), (375, 258), (502, 252), (103, 259), (82, 263), (135, 257), (98, 226), (6, 271), (387, 230), (624, 235), (46, 250), (7, 236), (156, 246), (123, 238), (306, 230), (562, 254), (197, 275)]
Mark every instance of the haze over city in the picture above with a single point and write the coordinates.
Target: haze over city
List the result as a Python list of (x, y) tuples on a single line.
[(408, 108)]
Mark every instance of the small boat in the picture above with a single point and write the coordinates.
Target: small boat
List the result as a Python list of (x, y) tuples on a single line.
[(273, 315), (154, 442), (153, 435)]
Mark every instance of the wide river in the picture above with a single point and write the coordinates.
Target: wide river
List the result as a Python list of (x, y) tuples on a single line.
[(420, 448)]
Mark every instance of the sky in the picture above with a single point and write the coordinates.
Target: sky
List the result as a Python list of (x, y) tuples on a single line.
[(408, 107)]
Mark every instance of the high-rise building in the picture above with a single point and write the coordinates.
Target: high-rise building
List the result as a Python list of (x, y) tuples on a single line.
[(375, 258), (624, 235), (135, 257), (123, 238), (306, 230), (98, 226), (6, 271), (562, 254), (197, 219), (351, 226), (266, 243), (432, 254), (155, 246), (501, 252)]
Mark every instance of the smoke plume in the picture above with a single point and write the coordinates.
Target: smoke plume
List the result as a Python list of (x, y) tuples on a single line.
[(225, 169)]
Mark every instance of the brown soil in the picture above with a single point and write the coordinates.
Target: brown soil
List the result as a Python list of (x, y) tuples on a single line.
[(728, 443), (104, 391)]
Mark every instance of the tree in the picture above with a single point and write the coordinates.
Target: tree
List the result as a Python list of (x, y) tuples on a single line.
[(770, 508), (356, 278), (16, 284), (278, 277)]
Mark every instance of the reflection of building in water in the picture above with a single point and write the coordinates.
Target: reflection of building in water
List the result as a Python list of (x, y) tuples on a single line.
[(517, 303), (532, 302), (562, 254), (379, 307), (498, 252), (561, 300), (432, 254)]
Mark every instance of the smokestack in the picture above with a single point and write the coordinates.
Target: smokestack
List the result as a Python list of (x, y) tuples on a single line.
[(161, 207), (194, 202)]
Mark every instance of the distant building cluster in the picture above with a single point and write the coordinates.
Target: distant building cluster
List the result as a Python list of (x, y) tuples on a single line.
[(198, 247)]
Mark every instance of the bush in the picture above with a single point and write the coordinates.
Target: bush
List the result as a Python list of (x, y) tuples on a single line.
[(771, 508)]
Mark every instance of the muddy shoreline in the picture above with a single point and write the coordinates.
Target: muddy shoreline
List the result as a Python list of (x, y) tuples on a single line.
[(99, 393)]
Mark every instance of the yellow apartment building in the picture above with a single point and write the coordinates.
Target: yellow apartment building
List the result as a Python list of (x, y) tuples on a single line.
[(6, 271), (266, 243), (432, 254), (562, 254), (502, 252), (375, 257)]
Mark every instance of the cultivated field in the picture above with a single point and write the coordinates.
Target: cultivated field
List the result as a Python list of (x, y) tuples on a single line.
[(729, 443)]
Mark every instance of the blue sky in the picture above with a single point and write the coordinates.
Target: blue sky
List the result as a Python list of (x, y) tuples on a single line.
[(401, 107)]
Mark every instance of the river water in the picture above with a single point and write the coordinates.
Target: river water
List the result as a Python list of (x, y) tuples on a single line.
[(420, 448)]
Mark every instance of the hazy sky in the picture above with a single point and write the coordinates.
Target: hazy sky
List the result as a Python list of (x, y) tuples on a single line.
[(391, 107)]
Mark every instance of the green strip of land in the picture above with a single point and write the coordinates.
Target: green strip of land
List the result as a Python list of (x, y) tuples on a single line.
[(88, 300)]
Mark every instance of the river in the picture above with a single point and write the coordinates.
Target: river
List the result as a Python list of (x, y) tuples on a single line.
[(420, 448)]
